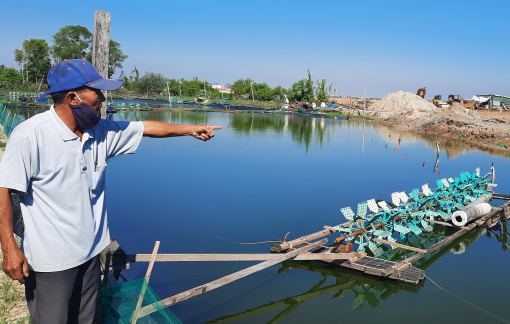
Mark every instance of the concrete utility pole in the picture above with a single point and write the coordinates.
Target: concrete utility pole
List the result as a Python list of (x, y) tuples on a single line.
[(169, 97), (252, 95), (365, 102), (101, 46)]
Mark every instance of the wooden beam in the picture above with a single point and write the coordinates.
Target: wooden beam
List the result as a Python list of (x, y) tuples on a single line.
[(147, 278), (101, 46), (229, 278), (399, 245), (239, 257), (304, 239), (106, 271)]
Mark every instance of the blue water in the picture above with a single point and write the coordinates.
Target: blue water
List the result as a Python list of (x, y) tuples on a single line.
[(264, 176)]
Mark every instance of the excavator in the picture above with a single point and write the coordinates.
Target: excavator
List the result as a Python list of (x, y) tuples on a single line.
[(421, 92)]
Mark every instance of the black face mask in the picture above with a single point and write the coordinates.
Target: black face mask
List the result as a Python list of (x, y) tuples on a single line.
[(86, 117)]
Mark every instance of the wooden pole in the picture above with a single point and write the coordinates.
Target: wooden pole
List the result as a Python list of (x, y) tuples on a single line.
[(406, 247), (147, 277), (442, 223), (239, 257), (101, 46), (230, 278), (106, 272)]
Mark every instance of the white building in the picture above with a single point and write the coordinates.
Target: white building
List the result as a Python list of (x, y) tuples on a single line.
[(220, 88)]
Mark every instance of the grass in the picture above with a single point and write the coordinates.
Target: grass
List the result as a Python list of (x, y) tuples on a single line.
[(2, 144), (13, 307)]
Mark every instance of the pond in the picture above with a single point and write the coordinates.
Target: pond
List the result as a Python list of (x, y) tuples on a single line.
[(263, 176)]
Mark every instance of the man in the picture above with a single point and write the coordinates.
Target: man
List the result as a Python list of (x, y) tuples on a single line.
[(57, 160)]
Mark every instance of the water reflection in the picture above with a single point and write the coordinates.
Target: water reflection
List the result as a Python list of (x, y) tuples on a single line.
[(453, 147), (501, 234), (302, 129), (27, 113), (169, 116), (366, 289)]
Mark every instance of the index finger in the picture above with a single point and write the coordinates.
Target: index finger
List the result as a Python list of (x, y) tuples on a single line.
[(214, 127)]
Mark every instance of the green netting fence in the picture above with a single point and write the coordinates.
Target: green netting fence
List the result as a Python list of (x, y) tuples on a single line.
[(8, 120), (120, 302)]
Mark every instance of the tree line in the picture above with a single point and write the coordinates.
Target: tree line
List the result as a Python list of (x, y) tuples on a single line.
[(35, 56), (75, 42), (156, 84)]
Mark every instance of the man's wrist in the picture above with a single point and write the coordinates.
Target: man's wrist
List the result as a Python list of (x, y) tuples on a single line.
[(9, 243), (190, 130)]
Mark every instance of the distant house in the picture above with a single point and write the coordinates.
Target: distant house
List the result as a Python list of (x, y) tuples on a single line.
[(490, 101), (220, 88)]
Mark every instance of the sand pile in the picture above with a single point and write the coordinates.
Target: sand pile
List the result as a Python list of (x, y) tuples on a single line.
[(404, 105), (460, 113), (455, 115)]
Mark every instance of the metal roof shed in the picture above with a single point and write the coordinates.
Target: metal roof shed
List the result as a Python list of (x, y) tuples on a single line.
[(493, 100)]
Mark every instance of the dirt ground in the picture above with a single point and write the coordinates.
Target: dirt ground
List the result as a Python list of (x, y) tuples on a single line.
[(480, 127)]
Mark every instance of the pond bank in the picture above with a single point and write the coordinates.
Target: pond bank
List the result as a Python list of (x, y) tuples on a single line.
[(482, 128)]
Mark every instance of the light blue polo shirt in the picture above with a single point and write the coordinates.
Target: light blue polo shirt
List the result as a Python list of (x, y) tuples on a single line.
[(62, 180)]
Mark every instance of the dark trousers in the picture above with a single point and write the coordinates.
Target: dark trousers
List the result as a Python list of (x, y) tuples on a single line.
[(64, 297)]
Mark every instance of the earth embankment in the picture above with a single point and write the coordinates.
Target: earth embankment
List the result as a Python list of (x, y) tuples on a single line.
[(407, 111)]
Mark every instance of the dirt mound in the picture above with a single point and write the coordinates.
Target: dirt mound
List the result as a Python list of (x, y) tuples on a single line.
[(459, 112), (455, 115), (402, 104)]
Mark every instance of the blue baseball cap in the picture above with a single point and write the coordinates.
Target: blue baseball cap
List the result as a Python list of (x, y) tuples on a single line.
[(72, 74)]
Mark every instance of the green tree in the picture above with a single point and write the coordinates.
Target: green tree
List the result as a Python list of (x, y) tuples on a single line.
[(321, 91), (9, 77), (36, 53), (242, 88), (71, 42), (116, 58), (151, 82), (298, 90), (308, 90), (262, 92), (19, 57)]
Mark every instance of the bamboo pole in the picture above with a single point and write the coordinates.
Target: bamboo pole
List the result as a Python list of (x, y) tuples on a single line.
[(147, 277)]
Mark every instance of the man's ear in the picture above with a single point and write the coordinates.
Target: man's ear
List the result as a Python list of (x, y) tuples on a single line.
[(72, 99)]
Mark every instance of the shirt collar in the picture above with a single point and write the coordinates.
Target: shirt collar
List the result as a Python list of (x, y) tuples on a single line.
[(60, 127)]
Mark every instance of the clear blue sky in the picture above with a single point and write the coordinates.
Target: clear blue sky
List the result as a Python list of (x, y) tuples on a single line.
[(460, 47)]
